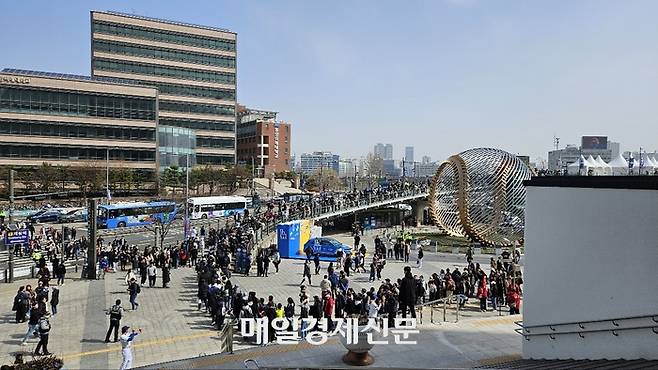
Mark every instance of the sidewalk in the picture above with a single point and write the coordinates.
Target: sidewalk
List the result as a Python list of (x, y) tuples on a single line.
[(172, 326)]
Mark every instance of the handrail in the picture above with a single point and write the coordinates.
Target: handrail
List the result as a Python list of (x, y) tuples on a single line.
[(581, 333), (581, 324)]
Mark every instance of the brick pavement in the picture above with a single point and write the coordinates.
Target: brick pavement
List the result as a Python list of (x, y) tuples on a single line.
[(173, 328)]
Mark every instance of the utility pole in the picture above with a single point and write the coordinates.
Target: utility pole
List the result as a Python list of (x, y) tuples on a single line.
[(11, 209), (404, 167), (107, 174), (187, 194), (92, 210)]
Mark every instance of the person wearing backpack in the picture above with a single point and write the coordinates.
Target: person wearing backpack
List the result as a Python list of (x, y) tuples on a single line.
[(44, 331), (115, 312), (134, 289)]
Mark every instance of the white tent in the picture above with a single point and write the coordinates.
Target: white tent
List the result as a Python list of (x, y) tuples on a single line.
[(603, 169), (654, 161), (619, 166), (574, 168), (592, 162), (647, 166)]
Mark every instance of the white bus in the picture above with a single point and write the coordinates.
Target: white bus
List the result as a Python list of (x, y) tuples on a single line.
[(209, 207)]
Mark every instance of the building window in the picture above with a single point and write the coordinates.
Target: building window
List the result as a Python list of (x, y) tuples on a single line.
[(163, 35), (165, 54), (164, 71)]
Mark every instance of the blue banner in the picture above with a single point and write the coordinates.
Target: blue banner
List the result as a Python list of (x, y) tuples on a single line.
[(17, 237)]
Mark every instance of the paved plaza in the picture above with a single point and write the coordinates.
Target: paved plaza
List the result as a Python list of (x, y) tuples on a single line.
[(173, 329)]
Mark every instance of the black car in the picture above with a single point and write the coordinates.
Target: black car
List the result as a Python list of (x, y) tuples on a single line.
[(51, 215)]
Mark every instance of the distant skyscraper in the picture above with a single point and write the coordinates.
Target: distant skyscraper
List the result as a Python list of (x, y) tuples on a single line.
[(426, 159), (409, 154), (388, 151), (383, 151), (379, 150)]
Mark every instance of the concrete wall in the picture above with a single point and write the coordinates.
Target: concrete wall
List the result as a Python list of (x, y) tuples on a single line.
[(591, 254)]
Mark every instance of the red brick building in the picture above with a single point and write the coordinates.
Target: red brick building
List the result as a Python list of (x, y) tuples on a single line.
[(263, 141)]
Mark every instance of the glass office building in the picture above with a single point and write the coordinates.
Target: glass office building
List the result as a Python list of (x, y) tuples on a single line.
[(194, 69), (74, 120)]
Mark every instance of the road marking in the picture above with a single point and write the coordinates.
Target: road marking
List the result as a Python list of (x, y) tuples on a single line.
[(142, 344)]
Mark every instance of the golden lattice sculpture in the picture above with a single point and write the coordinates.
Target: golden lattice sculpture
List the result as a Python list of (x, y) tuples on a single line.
[(479, 194)]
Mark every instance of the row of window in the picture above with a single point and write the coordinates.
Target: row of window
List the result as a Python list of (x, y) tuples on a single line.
[(197, 91), (166, 54), (74, 103), (219, 207), (202, 159), (164, 71), (198, 124), (197, 108), (163, 36), (74, 153), (114, 213), (215, 142), (75, 131)]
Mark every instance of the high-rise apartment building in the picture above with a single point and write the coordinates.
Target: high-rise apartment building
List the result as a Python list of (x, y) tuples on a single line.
[(383, 151), (194, 69), (312, 162)]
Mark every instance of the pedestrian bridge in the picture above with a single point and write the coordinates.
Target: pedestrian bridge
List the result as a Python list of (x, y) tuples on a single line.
[(368, 204)]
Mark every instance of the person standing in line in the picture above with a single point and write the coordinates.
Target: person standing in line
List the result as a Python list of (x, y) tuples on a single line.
[(115, 312), (152, 271), (127, 337), (134, 289), (44, 331), (407, 298), (166, 275), (266, 264), (54, 300), (61, 272), (307, 273)]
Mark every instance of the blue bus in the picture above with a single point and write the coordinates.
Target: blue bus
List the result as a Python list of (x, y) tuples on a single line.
[(111, 216)]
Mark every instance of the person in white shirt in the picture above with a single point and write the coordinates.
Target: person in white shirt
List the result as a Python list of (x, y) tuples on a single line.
[(127, 337), (373, 308), (151, 271)]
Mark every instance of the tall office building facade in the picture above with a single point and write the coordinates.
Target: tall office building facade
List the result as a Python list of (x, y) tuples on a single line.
[(76, 122), (194, 69)]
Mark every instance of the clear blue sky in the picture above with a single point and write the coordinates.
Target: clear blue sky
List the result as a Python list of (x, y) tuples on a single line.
[(443, 76)]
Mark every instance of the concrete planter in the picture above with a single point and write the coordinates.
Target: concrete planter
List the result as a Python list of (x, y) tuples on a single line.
[(499, 251), (455, 250), (358, 353), (477, 250)]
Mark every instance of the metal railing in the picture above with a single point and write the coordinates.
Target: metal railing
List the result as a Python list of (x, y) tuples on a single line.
[(440, 304), (553, 330)]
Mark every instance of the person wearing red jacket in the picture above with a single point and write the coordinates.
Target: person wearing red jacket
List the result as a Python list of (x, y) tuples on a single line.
[(329, 304), (483, 292)]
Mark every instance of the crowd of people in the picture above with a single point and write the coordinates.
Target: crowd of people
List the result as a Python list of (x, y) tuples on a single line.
[(212, 253)]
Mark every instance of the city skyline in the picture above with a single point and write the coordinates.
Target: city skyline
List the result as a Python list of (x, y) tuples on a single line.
[(578, 68)]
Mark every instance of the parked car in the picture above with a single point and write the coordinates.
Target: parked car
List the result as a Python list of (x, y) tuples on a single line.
[(75, 215), (48, 215), (326, 247)]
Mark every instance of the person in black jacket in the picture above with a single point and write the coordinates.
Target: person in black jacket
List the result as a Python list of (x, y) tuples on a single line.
[(115, 312), (407, 293)]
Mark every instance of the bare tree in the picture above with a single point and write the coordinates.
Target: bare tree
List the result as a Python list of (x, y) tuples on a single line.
[(374, 165), (160, 229)]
